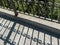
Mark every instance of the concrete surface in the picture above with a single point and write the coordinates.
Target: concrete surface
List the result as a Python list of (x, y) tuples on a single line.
[(44, 24), (24, 35), (19, 37)]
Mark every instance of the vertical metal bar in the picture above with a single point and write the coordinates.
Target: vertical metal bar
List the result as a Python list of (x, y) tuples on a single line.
[(28, 7), (3, 3), (32, 6), (18, 4), (0, 2), (22, 1), (58, 14), (52, 9), (13, 7), (45, 11), (38, 12)]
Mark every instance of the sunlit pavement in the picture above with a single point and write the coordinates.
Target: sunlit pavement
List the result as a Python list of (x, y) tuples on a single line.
[(31, 18), (13, 33)]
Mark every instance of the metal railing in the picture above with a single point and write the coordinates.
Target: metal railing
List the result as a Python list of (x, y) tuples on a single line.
[(44, 8)]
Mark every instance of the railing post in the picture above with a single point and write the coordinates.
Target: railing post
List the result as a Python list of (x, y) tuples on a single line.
[(28, 2), (27, 7), (38, 9), (46, 8), (13, 7), (32, 5), (1, 2), (58, 15), (52, 9), (22, 1)]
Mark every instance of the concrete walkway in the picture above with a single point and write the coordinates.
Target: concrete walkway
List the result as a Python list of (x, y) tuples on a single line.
[(55, 27), (23, 35), (45, 22)]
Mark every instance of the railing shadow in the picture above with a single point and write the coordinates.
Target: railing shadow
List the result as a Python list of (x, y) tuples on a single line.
[(7, 16)]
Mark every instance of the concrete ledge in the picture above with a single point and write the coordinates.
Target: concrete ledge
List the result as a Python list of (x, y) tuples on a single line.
[(40, 23)]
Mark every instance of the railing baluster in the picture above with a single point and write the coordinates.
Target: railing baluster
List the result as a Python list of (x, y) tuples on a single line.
[(52, 9)]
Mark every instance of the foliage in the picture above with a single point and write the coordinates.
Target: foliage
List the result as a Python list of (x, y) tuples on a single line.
[(35, 7)]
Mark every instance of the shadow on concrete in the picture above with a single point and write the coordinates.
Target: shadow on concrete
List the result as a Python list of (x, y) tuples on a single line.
[(15, 20)]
